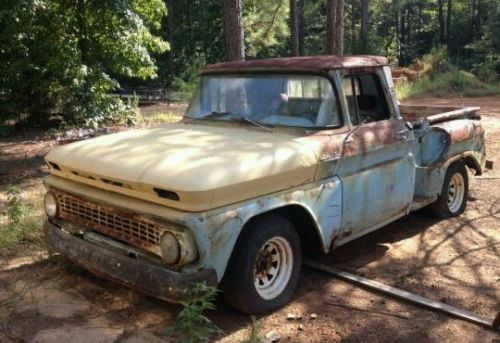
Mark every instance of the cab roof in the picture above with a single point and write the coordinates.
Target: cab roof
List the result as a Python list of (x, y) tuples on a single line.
[(294, 64)]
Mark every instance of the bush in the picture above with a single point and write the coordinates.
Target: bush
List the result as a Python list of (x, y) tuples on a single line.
[(489, 71), (22, 222), (187, 82), (57, 57), (439, 77)]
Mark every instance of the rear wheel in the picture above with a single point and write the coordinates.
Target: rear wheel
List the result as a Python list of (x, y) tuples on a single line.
[(264, 269), (453, 198)]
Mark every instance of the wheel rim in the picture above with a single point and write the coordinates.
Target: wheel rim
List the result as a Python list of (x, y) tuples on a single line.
[(273, 267), (456, 190)]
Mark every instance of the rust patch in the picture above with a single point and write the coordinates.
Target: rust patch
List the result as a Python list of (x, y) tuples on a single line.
[(128, 227), (461, 130), (370, 136), (294, 64)]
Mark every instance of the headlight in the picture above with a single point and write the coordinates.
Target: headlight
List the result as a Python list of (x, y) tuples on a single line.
[(50, 204), (169, 247)]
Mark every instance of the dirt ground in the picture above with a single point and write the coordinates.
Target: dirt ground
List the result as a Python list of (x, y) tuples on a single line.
[(455, 261)]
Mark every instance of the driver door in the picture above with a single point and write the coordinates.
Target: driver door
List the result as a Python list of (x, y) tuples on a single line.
[(377, 167)]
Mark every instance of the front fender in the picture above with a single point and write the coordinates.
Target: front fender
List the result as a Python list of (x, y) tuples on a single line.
[(219, 229)]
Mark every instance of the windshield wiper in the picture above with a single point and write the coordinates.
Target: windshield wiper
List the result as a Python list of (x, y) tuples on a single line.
[(256, 123)]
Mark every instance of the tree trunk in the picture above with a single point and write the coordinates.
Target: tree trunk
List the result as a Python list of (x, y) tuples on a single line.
[(479, 24), (354, 47), (442, 30), (233, 30), (398, 39), (170, 34), (335, 27), (302, 25), (364, 25), (294, 28), (448, 20), (82, 37), (473, 20), (408, 31)]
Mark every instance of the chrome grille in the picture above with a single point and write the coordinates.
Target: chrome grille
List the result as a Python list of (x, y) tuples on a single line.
[(130, 228)]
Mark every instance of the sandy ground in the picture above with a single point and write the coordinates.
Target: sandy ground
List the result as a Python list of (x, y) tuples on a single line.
[(456, 261)]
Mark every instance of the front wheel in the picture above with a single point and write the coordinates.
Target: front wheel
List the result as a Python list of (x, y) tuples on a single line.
[(264, 269), (453, 198)]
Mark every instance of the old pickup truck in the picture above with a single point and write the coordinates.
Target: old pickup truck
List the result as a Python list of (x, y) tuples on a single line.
[(274, 158)]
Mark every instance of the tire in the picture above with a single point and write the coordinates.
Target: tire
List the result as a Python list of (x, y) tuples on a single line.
[(264, 269), (453, 197)]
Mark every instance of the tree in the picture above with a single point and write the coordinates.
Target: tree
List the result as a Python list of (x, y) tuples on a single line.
[(294, 28), (233, 30), (266, 26), (364, 26), (441, 22), (335, 27), (62, 56)]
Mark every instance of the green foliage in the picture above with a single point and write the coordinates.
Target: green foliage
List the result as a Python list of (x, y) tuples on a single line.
[(265, 24), (58, 56), (255, 334), (15, 208), (452, 83), (192, 325), (489, 70), (440, 78), (187, 81), (21, 222)]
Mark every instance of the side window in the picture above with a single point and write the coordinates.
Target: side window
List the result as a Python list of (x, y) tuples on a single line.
[(365, 98)]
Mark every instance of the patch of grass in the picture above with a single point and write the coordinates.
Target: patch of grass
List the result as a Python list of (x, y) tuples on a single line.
[(451, 83), (159, 118), (438, 77), (21, 223), (191, 325)]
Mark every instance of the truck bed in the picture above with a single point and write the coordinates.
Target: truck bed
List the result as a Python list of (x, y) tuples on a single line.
[(437, 114)]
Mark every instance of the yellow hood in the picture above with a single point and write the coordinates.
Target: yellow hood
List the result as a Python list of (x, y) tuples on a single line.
[(207, 166)]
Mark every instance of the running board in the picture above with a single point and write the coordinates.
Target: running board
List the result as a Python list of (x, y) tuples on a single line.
[(419, 202)]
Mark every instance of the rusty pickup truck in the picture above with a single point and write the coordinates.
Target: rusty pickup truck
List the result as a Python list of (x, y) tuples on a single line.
[(273, 158)]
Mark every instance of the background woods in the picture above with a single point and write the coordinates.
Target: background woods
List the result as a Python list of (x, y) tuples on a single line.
[(65, 57)]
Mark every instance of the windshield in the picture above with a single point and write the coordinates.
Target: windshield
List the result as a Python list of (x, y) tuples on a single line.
[(306, 101)]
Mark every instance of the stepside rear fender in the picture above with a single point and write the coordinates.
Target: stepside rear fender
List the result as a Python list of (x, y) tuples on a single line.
[(443, 144)]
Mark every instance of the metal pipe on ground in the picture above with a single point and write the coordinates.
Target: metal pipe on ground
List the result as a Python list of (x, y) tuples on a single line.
[(407, 296)]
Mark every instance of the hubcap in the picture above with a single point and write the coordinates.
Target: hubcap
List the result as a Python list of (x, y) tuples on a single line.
[(456, 191), (273, 267)]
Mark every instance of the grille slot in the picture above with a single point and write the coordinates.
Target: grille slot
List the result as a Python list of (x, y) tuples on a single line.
[(130, 228)]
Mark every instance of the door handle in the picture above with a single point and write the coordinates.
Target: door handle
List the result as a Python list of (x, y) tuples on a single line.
[(401, 135), (330, 157)]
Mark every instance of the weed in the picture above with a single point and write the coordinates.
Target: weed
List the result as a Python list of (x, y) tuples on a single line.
[(22, 221), (191, 325), (15, 210), (255, 335)]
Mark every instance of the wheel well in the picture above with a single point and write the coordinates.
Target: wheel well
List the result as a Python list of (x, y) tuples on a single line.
[(472, 164), (303, 222)]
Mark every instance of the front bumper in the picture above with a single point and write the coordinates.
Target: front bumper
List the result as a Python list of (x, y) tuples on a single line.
[(137, 273)]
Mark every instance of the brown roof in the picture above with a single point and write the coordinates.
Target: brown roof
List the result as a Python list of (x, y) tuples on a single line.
[(309, 63)]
